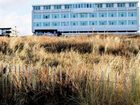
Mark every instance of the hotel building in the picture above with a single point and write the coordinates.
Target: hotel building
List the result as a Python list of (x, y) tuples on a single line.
[(85, 17)]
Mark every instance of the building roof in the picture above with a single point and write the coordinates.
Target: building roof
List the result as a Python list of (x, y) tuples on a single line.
[(85, 1), (5, 28)]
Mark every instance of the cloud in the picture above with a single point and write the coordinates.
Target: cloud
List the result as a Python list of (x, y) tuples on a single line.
[(18, 12), (4, 2), (22, 22)]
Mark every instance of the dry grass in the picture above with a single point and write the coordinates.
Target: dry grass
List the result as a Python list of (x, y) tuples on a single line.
[(97, 70)]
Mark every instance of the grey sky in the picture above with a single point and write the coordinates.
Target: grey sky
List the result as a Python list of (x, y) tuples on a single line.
[(18, 12)]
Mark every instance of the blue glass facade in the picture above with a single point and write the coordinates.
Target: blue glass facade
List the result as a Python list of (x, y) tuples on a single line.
[(89, 15), (86, 15), (87, 23)]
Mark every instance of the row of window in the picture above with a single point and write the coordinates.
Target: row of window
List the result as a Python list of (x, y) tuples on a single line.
[(84, 5), (85, 15), (85, 23)]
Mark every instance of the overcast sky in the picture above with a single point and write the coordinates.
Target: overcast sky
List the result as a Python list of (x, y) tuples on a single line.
[(18, 12)]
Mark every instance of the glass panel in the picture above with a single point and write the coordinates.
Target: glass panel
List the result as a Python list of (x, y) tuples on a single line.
[(122, 22), (74, 23), (64, 15), (46, 24), (112, 14), (55, 16), (122, 14), (102, 14), (102, 22), (132, 14), (55, 23), (93, 15), (132, 4), (47, 7), (36, 7), (109, 5), (57, 6), (132, 22), (93, 23), (46, 16), (83, 23), (113, 22), (83, 15), (74, 15), (64, 23), (121, 4)]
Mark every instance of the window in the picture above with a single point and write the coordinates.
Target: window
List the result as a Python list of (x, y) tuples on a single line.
[(74, 5), (132, 14), (85, 5), (55, 16), (55, 23), (83, 23), (93, 23), (102, 14), (46, 24), (132, 22), (113, 22), (57, 6), (46, 16), (112, 14), (36, 7), (89, 5), (122, 22), (132, 4), (83, 15), (37, 16), (78, 5), (37, 24), (74, 15), (92, 15), (64, 23), (74, 23), (102, 22), (47, 7), (121, 4), (92, 5), (109, 5), (98, 5), (122, 14), (64, 15), (68, 6), (81, 5)]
